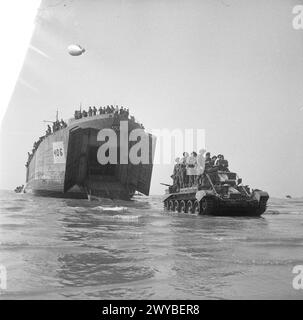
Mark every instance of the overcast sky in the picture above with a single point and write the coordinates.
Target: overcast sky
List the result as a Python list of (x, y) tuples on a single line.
[(231, 67)]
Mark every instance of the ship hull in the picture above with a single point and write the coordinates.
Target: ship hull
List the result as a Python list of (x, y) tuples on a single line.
[(58, 194), (65, 164)]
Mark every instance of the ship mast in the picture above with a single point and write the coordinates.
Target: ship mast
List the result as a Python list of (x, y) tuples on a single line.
[(57, 118)]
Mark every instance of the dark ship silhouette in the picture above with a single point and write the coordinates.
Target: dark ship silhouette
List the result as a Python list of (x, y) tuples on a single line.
[(64, 163)]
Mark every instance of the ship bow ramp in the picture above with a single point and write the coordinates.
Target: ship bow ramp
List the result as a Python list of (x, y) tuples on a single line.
[(113, 180)]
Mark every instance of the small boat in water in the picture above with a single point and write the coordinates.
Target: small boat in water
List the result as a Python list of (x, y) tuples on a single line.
[(19, 189)]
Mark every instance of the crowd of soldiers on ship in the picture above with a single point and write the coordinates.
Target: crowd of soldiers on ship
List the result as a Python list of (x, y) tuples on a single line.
[(121, 112), (191, 170), (92, 111), (57, 125)]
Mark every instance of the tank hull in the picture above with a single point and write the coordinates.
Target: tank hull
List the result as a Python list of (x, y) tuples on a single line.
[(240, 209), (65, 164), (187, 202)]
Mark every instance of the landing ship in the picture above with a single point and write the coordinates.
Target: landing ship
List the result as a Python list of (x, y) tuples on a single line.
[(65, 163)]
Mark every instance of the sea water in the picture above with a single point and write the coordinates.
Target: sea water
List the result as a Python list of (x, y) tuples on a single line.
[(79, 249)]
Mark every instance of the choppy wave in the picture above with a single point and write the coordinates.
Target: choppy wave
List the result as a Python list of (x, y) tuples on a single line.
[(69, 249)]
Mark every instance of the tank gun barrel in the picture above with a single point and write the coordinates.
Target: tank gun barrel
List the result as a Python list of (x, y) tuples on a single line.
[(165, 184)]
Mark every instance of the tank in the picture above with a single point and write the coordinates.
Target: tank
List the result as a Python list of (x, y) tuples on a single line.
[(218, 193)]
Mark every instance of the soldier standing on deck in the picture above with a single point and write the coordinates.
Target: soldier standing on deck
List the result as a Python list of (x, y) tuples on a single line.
[(191, 168), (63, 124), (200, 165), (49, 130), (176, 175), (184, 177)]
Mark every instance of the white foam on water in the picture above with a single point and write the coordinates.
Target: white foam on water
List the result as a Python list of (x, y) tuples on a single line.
[(126, 217), (117, 209)]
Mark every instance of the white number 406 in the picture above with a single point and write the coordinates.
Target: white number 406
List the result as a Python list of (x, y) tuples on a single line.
[(297, 281), (297, 21), (2, 277)]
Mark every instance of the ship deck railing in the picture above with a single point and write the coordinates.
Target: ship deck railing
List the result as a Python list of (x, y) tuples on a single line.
[(73, 121)]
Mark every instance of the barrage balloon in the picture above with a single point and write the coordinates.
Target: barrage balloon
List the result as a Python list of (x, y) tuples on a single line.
[(75, 50)]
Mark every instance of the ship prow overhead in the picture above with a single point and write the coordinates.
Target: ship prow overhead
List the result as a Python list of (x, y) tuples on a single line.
[(66, 161)]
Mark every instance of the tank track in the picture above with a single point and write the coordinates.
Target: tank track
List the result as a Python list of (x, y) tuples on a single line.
[(183, 206)]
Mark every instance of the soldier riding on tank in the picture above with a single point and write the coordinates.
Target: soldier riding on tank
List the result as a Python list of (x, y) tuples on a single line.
[(216, 191)]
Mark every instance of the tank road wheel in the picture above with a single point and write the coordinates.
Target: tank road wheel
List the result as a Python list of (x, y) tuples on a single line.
[(182, 206), (170, 205), (177, 206), (196, 207), (262, 206), (207, 206), (189, 206)]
